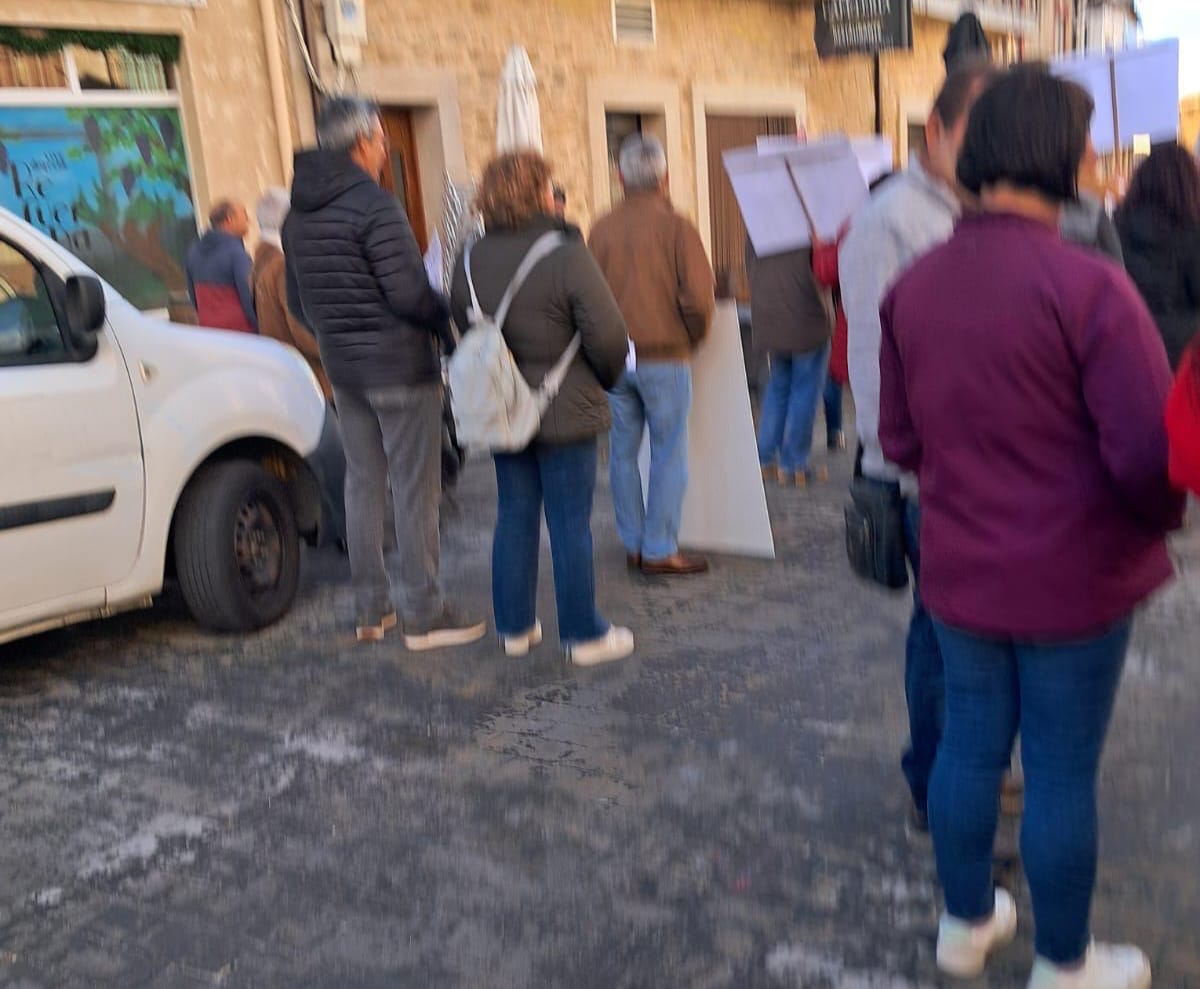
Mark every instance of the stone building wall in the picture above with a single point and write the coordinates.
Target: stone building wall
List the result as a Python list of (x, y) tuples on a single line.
[(753, 43)]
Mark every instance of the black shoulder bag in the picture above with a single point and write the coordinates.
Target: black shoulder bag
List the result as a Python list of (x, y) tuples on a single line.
[(875, 530)]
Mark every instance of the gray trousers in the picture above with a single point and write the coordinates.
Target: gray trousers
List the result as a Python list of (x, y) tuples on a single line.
[(393, 434)]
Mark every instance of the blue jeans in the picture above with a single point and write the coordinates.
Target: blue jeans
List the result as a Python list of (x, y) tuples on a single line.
[(924, 676), (1061, 697), (657, 395), (789, 409), (833, 410), (562, 479)]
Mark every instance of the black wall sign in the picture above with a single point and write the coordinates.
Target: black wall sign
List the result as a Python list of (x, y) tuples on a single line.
[(845, 27)]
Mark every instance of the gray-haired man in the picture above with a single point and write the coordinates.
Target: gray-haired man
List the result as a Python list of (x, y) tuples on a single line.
[(657, 269), (355, 275)]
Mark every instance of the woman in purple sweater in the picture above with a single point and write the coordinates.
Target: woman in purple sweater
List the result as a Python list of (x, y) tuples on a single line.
[(1024, 381)]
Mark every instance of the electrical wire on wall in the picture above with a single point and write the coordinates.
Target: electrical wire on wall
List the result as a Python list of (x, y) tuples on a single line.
[(302, 42)]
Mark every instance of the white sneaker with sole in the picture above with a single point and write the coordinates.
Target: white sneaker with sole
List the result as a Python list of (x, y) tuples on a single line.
[(1106, 966), (517, 646), (963, 948), (615, 644)]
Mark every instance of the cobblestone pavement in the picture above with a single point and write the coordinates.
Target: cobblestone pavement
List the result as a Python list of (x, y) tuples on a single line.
[(725, 809)]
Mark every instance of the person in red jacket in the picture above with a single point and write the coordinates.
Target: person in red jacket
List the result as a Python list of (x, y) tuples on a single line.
[(1183, 424)]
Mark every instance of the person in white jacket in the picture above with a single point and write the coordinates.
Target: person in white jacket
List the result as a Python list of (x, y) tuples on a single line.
[(910, 213)]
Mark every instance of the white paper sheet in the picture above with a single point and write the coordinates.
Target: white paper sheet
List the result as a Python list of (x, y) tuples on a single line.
[(830, 180), (1094, 73), (767, 198), (433, 262), (875, 156), (1148, 92)]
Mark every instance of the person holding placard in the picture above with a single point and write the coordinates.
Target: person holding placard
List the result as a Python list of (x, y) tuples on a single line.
[(912, 212), (791, 319)]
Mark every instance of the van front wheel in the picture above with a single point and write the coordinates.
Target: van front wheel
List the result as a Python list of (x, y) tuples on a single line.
[(237, 547)]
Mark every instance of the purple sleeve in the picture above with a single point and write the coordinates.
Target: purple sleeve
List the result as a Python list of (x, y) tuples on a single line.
[(897, 434), (1126, 379)]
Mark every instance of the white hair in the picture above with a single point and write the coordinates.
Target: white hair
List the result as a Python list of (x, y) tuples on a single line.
[(643, 163), (344, 120), (272, 209)]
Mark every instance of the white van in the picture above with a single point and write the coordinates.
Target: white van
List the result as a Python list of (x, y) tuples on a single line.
[(132, 450)]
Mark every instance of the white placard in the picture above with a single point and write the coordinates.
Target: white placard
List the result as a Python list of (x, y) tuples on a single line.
[(1147, 89), (875, 156), (725, 508), (830, 181), (767, 197), (1094, 73)]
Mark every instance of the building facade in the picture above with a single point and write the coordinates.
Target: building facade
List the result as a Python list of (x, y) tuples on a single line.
[(181, 102)]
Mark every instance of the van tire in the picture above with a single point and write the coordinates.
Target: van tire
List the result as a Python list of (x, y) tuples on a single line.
[(237, 547)]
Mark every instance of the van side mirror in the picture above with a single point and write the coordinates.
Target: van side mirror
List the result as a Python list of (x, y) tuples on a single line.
[(85, 308)]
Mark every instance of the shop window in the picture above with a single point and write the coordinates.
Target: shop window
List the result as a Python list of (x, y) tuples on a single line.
[(18, 70), (117, 68), (80, 61)]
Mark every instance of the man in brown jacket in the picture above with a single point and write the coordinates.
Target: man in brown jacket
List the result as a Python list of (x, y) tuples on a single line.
[(656, 267)]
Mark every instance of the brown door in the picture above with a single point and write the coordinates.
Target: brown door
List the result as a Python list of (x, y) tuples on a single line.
[(402, 177), (728, 231)]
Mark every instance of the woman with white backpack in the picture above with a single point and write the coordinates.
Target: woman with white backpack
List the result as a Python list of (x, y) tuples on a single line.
[(543, 341)]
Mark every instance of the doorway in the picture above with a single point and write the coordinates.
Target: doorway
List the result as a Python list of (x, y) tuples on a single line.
[(728, 232), (402, 175)]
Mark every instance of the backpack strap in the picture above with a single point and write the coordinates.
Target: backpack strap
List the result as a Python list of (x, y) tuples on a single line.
[(542, 247), (553, 381)]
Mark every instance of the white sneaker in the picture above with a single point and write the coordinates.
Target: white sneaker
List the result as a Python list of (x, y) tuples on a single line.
[(615, 644), (1106, 966), (517, 646), (963, 948)]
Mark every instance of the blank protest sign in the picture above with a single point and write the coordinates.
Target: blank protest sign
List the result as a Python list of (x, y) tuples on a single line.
[(830, 180), (1148, 92), (1094, 73), (765, 194)]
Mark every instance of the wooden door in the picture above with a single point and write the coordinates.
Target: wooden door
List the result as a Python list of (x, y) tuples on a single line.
[(728, 233), (402, 175)]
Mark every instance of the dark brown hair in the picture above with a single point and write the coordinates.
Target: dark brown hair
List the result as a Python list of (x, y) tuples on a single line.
[(961, 85), (513, 190), (1168, 185), (221, 213), (1029, 129)]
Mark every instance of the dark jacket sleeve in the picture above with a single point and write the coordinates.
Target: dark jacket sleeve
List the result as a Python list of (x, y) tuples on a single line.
[(1126, 380), (596, 316), (242, 266), (396, 263), (1191, 266), (697, 297), (292, 297), (459, 296)]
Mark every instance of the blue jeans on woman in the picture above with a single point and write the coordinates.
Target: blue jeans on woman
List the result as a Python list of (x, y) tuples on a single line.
[(561, 479), (1060, 697), (789, 409)]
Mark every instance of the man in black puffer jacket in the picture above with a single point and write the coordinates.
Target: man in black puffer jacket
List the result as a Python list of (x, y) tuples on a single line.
[(356, 277)]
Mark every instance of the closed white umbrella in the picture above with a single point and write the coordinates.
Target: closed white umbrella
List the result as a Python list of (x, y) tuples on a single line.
[(518, 119)]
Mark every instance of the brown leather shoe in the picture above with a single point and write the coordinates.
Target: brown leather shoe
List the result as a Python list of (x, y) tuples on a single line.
[(676, 565), (633, 561)]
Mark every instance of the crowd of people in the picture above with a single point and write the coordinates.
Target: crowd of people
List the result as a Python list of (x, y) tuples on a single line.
[(1013, 389)]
